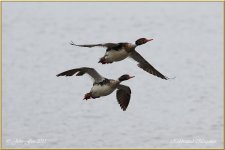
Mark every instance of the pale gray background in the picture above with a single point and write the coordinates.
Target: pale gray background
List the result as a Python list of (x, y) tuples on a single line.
[(38, 105)]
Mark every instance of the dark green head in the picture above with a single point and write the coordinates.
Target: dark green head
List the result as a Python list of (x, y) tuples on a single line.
[(125, 77), (142, 41)]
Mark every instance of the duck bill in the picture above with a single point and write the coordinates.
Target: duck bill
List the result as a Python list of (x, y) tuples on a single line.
[(131, 77), (149, 40)]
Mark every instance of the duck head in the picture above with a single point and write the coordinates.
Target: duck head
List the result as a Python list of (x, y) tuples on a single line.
[(125, 77), (142, 41)]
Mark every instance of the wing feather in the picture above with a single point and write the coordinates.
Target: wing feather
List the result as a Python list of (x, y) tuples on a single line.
[(107, 45), (123, 95), (142, 63), (80, 71)]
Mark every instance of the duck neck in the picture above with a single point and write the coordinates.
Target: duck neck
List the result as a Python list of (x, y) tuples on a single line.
[(120, 80), (131, 47), (136, 45)]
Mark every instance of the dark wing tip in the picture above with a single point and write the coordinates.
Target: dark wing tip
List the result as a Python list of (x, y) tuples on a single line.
[(63, 74), (165, 78), (71, 43), (69, 72)]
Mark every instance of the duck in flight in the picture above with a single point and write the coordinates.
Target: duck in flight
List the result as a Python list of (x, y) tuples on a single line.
[(103, 86), (119, 51)]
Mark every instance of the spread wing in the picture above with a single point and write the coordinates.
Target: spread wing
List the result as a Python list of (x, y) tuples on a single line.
[(80, 71), (123, 96), (142, 63), (107, 45)]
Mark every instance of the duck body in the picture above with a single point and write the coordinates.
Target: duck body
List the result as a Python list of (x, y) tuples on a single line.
[(103, 86), (118, 52), (115, 55)]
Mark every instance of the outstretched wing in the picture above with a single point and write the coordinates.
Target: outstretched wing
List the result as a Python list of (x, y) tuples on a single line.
[(107, 45), (80, 71), (123, 96), (142, 63)]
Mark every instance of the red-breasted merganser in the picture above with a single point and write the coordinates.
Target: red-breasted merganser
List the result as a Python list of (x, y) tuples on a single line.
[(119, 51), (103, 86)]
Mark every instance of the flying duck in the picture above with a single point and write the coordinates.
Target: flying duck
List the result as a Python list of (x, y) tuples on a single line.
[(119, 51), (103, 86)]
